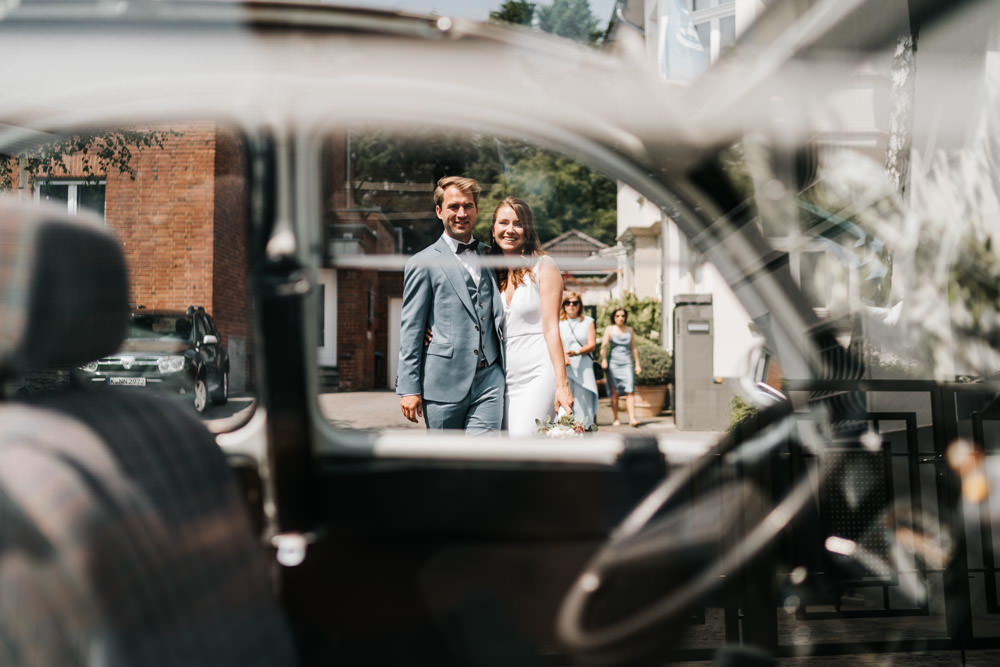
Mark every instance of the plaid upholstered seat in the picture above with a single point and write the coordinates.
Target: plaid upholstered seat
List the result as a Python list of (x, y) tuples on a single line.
[(122, 537)]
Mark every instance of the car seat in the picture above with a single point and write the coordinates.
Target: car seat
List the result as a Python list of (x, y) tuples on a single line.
[(122, 537)]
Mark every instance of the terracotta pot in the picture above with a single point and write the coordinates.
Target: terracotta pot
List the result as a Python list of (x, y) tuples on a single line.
[(650, 400)]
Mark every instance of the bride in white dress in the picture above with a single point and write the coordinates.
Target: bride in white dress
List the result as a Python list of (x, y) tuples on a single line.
[(537, 385)]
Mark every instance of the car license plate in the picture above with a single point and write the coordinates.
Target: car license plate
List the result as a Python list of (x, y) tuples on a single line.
[(128, 382)]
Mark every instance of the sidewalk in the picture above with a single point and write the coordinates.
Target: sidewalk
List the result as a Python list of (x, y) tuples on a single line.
[(380, 410)]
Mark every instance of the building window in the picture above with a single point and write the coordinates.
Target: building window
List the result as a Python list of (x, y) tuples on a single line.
[(77, 194)]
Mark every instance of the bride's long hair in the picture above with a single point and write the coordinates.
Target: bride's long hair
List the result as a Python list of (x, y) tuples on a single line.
[(531, 248)]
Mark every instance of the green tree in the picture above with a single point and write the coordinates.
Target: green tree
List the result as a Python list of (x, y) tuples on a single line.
[(572, 19), (420, 157), (562, 193), (516, 12)]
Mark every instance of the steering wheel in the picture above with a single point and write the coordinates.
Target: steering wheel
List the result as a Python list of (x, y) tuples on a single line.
[(700, 525)]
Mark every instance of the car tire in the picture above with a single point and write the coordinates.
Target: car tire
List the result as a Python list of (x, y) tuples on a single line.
[(222, 397), (200, 395)]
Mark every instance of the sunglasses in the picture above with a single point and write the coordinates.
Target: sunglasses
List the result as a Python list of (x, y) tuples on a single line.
[(571, 303)]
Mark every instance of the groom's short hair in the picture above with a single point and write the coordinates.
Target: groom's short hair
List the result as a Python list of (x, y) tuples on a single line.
[(469, 186)]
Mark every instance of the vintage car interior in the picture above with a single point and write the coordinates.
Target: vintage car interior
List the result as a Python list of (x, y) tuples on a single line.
[(272, 160)]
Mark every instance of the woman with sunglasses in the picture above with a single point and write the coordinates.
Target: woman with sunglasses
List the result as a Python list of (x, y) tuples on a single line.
[(579, 338)]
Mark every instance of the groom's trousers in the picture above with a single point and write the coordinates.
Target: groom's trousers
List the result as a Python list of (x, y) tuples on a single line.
[(481, 411)]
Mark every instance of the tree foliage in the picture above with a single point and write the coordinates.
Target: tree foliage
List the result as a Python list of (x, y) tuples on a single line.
[(517, 12), (563, 194), (110, 151), (572, 19), (417, 157)]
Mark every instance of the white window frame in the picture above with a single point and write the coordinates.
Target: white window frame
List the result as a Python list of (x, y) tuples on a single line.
[(72, 196)]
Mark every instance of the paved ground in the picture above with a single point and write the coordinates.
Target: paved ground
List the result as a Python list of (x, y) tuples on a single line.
[(380, 410)]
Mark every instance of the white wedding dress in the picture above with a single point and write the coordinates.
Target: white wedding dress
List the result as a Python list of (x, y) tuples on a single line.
[(531, 382)]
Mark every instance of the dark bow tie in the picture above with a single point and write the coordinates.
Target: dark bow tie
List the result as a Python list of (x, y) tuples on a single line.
[(467, 247)]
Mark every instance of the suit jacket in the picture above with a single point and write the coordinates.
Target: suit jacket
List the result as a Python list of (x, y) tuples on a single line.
[(436, 295)]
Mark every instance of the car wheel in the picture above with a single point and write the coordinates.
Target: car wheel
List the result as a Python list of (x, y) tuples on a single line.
[(200, 395), (223, 395)]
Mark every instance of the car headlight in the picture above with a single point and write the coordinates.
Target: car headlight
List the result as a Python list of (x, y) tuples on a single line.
[(90, 367), (170, 364)]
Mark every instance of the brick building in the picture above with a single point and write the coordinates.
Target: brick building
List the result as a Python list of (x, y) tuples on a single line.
[(182, 224)]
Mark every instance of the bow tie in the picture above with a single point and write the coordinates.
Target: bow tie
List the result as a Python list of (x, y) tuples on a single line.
[(467, 247)]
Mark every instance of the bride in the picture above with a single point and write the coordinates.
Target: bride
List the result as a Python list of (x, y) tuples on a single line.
[(537, 385)]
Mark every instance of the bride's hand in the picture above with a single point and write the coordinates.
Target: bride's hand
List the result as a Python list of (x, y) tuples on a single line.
[(564, 399)]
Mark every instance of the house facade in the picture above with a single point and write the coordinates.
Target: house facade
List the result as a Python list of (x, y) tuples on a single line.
[(682, 37)]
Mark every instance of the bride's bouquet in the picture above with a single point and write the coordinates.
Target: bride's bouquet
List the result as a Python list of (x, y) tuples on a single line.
[(563, 426)]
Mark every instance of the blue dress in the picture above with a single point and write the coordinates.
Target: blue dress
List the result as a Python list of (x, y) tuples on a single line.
[(621, 372), (580, 371)]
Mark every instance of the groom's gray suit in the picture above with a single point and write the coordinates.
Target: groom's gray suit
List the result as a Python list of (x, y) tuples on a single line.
[(460, 374)]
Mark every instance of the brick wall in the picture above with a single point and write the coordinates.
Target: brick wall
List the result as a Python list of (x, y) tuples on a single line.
[(230, 303), (164, 219), (355, 337)]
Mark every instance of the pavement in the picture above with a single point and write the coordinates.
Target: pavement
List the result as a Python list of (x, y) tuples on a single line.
[(379, 409)]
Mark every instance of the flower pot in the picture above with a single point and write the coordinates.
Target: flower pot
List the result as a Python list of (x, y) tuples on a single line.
[(650, 400)]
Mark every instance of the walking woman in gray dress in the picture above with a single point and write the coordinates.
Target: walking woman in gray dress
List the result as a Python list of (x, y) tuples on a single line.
[(617, 354)]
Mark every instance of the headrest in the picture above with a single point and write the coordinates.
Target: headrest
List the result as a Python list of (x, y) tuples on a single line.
[(63, 289)]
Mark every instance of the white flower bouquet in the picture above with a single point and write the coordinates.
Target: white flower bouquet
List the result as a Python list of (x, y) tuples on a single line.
[(563, 426)]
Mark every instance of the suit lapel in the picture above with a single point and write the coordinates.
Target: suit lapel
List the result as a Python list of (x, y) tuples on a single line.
[(456, 274)]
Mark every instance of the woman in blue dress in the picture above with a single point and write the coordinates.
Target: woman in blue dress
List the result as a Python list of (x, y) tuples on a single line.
[(579, 339), (617, 355)]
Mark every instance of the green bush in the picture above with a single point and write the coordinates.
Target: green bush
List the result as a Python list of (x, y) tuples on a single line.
[(657, 364), (739, 411), (644, 315)]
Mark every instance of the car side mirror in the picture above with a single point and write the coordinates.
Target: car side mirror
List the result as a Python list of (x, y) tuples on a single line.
[(209, 339)]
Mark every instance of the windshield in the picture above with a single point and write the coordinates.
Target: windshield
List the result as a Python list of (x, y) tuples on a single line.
[(160, 326)]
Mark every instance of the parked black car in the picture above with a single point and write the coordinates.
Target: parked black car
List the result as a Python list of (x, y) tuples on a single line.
[(175, 350)]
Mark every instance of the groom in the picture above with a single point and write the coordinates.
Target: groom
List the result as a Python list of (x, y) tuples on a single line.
[(457, 380)]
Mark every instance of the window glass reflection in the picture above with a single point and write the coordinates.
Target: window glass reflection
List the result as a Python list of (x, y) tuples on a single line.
[(379, 196)]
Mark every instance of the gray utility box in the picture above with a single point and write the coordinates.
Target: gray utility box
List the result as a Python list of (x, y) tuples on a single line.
[(696, 395)]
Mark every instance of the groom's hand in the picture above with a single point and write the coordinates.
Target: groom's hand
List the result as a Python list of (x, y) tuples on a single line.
[(412, 407)]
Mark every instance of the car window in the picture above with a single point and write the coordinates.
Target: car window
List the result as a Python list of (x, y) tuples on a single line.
[(174, 196), (611, 246)]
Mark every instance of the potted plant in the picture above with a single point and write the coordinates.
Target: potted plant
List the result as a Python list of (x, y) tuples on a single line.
[(652, 386)]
